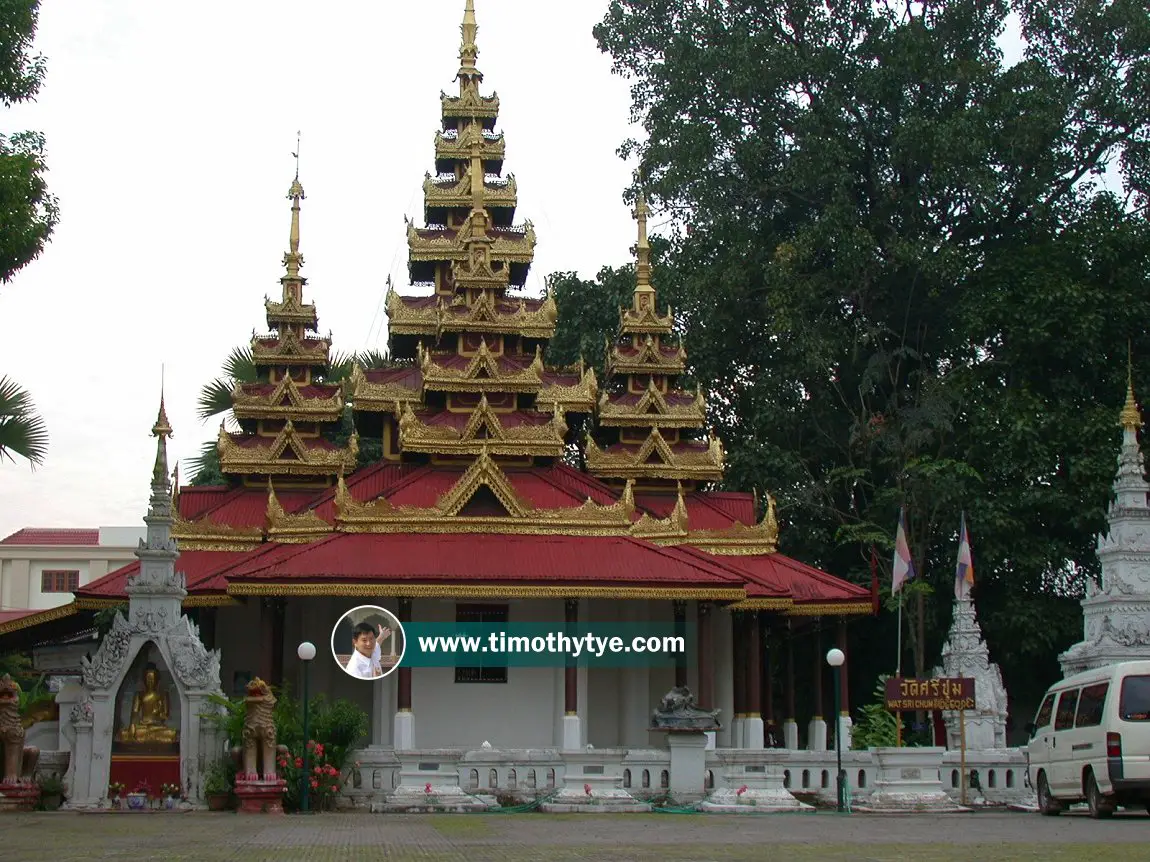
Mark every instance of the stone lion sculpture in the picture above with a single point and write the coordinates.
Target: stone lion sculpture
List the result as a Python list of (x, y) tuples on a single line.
[(259, 736), (19, 762)]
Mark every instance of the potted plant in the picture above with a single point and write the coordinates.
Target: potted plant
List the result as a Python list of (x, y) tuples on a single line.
[(169, 792), (51, 792), (217, 787), (115, 791), (138, 798)]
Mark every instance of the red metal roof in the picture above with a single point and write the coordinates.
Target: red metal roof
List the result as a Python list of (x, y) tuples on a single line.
[(52, 536), (199, 568), (484, 558), (9, 615), (196, 499), (780, 574)]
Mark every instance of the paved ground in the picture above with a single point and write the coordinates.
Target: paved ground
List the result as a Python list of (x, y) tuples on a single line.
[(209, 837)]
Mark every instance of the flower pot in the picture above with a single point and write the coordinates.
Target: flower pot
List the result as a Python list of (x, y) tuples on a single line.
[(51, 801), (137, 801), (219, 801), (169, 802), (117, 802)]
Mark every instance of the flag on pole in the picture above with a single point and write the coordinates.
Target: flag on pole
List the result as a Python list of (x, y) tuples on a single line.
[(903, 565), (964, 571)]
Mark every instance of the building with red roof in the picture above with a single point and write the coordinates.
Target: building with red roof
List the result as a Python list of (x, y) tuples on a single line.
[(466, 502)]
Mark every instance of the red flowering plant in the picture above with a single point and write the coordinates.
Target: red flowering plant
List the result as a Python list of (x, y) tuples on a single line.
[(323, 776)]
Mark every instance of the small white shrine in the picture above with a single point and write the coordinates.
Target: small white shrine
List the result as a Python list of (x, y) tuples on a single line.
[(1116, 613), (965, 654)]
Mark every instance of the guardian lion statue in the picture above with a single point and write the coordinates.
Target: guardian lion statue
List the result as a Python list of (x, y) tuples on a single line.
[(259, 732), (19, 763)]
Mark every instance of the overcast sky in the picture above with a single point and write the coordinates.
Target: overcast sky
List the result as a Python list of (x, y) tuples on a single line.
[(170, 128)]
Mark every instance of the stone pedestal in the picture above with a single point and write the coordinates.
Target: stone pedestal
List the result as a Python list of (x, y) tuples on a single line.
[(688, 765), (19, 796), (403, 731), (261, 797), (751, 787), (593, 785), (572, 733), (753, 733), (791, 734), (817, 735), (429, 783), (909, 782)]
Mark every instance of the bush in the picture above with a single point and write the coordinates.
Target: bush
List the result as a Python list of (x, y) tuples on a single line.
[(877, 726)]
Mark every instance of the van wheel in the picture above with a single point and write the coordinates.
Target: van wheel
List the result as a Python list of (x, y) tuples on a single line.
[(1094, 798), (1047, 804)]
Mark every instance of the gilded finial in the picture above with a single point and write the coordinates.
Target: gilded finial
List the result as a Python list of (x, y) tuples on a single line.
[(642, 247), (162, 428), (293, 260), (1130, 417), (468, 49)]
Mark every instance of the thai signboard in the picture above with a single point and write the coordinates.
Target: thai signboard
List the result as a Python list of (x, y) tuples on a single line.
[(905, 695)]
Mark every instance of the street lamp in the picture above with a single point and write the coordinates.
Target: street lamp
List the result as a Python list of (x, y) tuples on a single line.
[(836, 658), (306, 652)]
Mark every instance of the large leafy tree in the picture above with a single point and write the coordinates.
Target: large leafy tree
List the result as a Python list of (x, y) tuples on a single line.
[(27, 211), (904, 279)]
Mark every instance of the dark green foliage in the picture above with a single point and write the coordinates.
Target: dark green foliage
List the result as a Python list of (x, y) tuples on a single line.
[(903, 280)]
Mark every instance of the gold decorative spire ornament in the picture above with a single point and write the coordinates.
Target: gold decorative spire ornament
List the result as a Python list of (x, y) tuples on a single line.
[(642, 250), (293, 260), (1130, 417), (468, 49)]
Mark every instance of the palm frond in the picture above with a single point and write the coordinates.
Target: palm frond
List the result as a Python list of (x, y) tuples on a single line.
[(215, 398), (240, 366), (370, 359), (339, 367), (205, 467), (22, 430)]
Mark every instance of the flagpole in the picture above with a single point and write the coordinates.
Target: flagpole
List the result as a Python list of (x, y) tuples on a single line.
[(898, 675)]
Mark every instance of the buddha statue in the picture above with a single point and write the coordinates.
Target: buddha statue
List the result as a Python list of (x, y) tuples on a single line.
[(150, 712)]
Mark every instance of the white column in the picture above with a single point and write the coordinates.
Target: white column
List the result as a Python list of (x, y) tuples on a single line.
[(791, 734), (753, 732), (403, 731), (817, 734)]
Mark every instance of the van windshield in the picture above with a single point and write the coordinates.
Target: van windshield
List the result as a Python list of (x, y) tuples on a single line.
[(1134, 704)]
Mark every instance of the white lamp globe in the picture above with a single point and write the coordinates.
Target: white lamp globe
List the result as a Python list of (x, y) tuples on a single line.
[(836, 657), (306, 651)]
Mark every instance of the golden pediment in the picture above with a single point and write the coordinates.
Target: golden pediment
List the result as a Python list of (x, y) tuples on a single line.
[(286, 454), (292, 529), (482, 371), (656, 459), (653, 409), (285, 400)]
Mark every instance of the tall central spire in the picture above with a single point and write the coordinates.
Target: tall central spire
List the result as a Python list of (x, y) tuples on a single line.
[(468, 49), (642, 248), (293, 260)]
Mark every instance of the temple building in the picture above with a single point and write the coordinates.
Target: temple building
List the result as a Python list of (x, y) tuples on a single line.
[(467, 480)]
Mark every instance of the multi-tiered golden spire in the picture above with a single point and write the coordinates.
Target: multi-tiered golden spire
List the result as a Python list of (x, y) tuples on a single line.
[(472, 347), (1131, 417), (644, 419), (287, 415)]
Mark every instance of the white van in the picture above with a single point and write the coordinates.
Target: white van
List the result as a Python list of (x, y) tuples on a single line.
[(1091, 740)]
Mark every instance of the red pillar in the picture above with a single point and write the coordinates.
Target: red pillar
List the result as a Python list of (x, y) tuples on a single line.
[(844, 689), (403, 687), (680, 631), (819, 664), (754, 666), (706, 695), (739, 665), (570, 672)]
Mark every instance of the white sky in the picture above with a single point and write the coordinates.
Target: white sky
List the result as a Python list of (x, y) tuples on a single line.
[(170, 128)]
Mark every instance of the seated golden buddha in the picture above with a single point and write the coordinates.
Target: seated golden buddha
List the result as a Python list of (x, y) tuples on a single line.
[(150, 713)]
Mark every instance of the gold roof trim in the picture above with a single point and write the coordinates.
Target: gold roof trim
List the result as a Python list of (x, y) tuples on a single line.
[(649, 360), (653, 409), (831, 609), (485, 591), (267, 458), (470, 105), (514, 247), (378, 397), (700, 464), (290, 310), (293, 529), (457, 194), (738, 539), (1130, 417), (40, 617), (247, 405), (674, 526), (646, 320), (491, 147), (762, 604), (289, 349), (403, 319), (485, 315), (579, 398), (381, 516), (482, 371), (206, 535), (542, 440)]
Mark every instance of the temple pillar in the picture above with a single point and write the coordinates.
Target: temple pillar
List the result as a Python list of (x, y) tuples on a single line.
[(403, 731), (767, 703), (572, 726), (753, 723), (790, 724), (680, 608), (272, 627), (817, 730), (739, 677), (706, 694), (843, 728)]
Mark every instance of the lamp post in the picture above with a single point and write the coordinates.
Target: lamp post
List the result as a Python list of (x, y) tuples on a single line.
[(306, 652), (835, 658)]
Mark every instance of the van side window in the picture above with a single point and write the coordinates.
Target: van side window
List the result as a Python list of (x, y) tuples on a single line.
[(1090, 705), (1067, 703), (1134, 702), (1044, 712)]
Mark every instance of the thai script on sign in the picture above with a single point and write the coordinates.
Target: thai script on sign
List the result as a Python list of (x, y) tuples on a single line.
[(904, 695)]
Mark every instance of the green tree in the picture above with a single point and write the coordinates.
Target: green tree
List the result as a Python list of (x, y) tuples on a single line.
[(903, 279)]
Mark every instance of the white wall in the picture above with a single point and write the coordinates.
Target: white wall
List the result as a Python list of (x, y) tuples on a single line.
[(21, 567)]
